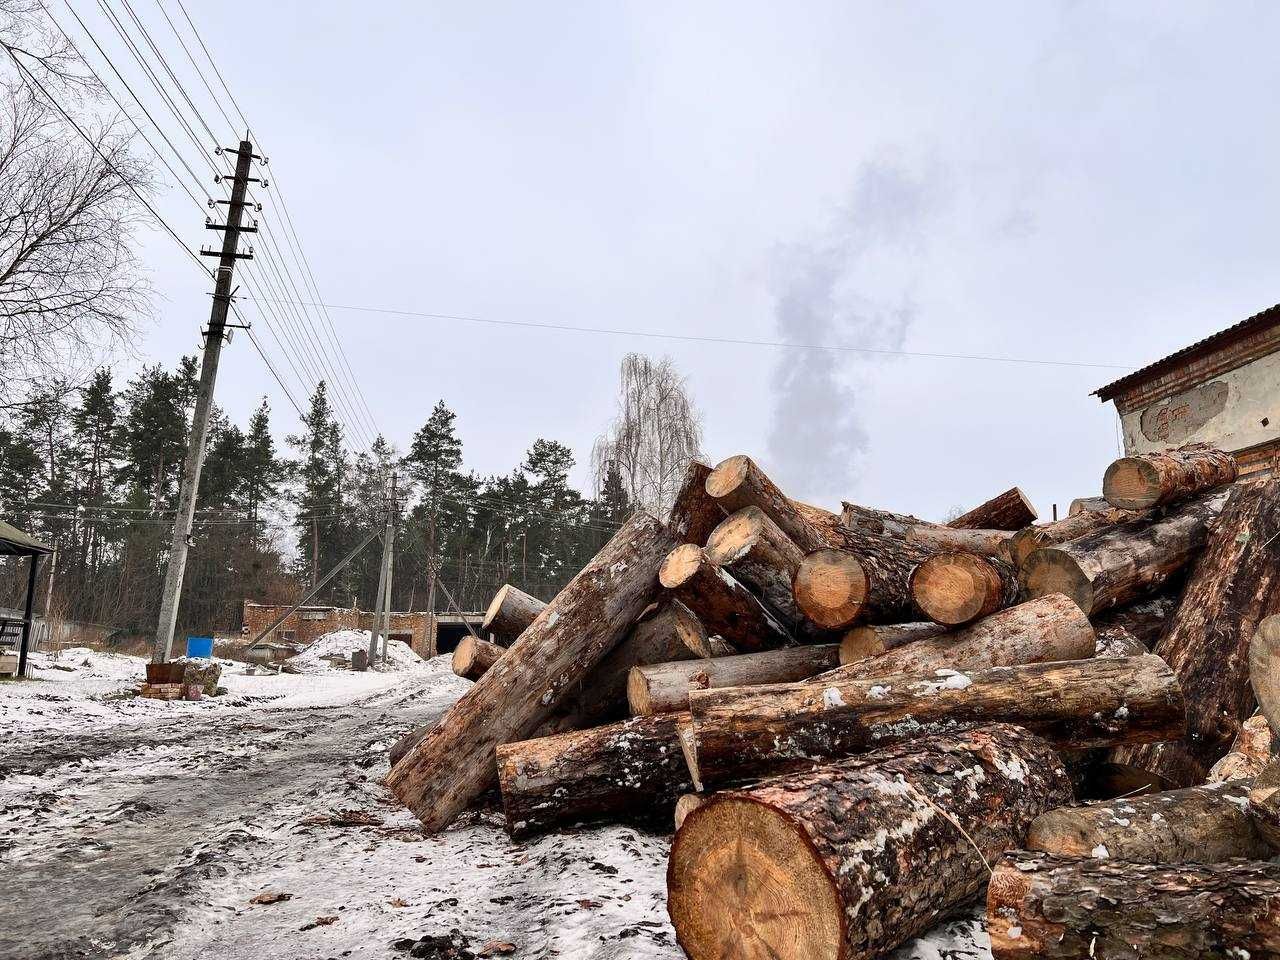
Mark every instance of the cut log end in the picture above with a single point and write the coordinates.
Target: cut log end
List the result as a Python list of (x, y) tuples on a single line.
[(735, 535), (681, 564), (638, 692), (744, 883), (831, 588), (728, 476), (471, 658), (1051, 570), (1131, 483), (955, 588)]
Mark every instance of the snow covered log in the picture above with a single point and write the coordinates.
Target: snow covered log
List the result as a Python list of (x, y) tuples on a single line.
[(454, 763), (1063, 908), (694, 514), (472, 657), (1207, 824), (871, 640), (724, 606), (664, 687), (847, 861), (738, 733), (1010, 510), (957, 588), (510, 611), (1151, 479)]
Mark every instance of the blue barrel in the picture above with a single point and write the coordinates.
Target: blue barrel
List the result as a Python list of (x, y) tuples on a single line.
[(200, 647)]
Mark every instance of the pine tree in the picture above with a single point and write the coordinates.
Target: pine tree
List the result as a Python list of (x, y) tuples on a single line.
[(318, 472), (263, 471), (433, 465)]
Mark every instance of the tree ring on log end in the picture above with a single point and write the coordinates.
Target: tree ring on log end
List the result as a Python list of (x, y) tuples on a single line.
[(494, 606), (954, 588), (1050, 570), (727, 476), (735, 536), (680, 565), (745, 883), (1131, 483), (831, 588), (464, 655)]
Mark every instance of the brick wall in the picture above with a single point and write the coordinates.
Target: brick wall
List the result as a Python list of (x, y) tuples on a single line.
[(306, 624)]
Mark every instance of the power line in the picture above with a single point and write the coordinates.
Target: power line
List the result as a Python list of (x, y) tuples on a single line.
[(738, 341)]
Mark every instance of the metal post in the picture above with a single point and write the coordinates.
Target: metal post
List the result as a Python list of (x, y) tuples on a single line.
[(27, 615), (204, 404), (384, 575)]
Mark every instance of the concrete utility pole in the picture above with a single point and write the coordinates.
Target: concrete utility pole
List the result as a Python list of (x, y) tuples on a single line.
[(383, 603), (191, 467)]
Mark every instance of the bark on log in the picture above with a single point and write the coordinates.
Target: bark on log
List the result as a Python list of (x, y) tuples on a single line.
[(1145, 619), (1116, 641), (1010, 510), (1206, 824), (1045, 629), (1117, 565), (1249, 754), (745, 732), (1041, 906), (510, 612), (860, 643), (694, 514), (957, 588), (726, 608), (869, 520), (1233, 586), (988, 543), (472, 657), (688, 803), (454, 763), (627, 770), (1152, 479), (846, 861), (737, 483), (867, 579), (1264, 804), (1264, 669), (1030, 539), (1082, 504), (664, 687), (758, 553)]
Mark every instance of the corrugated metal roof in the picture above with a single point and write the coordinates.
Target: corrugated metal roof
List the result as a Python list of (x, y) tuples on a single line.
[(1265, 318)]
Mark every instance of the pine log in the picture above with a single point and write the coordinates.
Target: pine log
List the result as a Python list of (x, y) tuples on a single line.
[(472, 657), (1010, 510), (1028, 540), (688, 803), (988, 543), (510, 612), (1116, 641), (694, 514), (1249, 755), (744, 732), (758, 553), (867, 579), (1264, 670), (664, 687), (860, 643), (1152, 479), (885, 522), (1062, 908), (738, 483), (1119, 564), (957, 588), (453, 764), (1044, 629), (726, 608), (1264, 804), (1207, 824), (1083, 504), (1233, 586), (1146, 619), (630, 770), (846, 861)]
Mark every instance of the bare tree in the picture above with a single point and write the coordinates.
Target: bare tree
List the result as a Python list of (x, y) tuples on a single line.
[(655, 434)]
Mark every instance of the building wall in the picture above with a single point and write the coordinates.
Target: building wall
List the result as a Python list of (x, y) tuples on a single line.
[(305, 625)]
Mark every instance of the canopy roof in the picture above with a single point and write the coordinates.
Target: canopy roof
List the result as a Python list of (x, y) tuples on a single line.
[(15, 543)]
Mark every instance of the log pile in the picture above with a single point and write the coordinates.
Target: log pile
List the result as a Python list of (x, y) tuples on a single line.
[(861, 721)]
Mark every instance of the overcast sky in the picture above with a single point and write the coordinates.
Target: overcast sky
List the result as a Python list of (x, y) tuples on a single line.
[(1081, 182)]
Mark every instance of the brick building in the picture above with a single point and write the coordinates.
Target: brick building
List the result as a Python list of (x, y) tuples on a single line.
[(427, 635), (1223, 390)]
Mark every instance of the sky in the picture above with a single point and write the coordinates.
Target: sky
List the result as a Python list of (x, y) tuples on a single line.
[(1085, 183)]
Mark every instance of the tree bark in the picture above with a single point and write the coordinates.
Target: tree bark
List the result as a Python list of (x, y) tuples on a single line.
[(743, 732), (688, 803), (454, 763), (1249, 754), (1082, 504), (1142, 482), (988, 543), (1010, 510), (510, 612), (726, 608), (1145, 619), (1264, 669), (630, 770), (664, 687), (737, 483), (1116, 641), (1206, 824), (1233, 586), (870, 520), (1045, 629), (846, 861), (861, 643), (1030, 539), (694, 514), (957, 588), (867, 579), (1043, 906), (472, 657), (758, 553), (1117, 565), (1264, 804)]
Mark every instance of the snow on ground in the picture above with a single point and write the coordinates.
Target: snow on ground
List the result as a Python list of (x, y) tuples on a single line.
[(160, 824), (342, 643)]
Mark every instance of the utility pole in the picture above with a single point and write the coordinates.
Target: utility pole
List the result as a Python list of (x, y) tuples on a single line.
[(191, 467), (383, 603)]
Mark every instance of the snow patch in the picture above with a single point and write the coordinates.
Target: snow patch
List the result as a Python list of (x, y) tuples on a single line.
[(831, 698), (1100, 851), (341, 644)]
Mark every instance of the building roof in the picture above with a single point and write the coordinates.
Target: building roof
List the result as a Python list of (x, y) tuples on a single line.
[(1266, 318), (15, 543)]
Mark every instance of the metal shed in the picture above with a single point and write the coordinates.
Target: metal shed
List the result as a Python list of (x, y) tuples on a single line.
[(15, 543)]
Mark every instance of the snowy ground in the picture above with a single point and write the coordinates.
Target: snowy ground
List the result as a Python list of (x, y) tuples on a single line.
[(138, 828)]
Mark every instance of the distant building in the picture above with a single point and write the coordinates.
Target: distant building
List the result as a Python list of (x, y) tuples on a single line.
[(1223, 390), (426, 634)]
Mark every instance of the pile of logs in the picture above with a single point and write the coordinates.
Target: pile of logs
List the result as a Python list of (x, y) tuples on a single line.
[(861, 721)]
